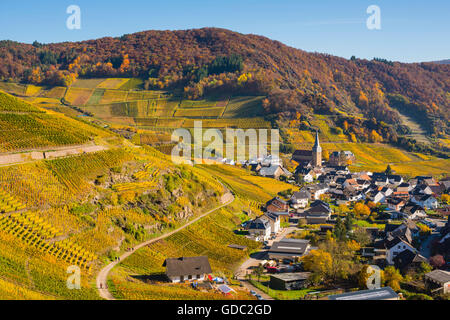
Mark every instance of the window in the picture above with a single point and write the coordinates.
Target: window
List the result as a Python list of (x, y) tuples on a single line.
[(189, 277)]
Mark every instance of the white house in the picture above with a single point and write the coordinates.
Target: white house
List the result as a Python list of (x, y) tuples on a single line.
[(187, 268), (426, 201), (275, 222), (395, 247), (260, 228), (309, 176), (300, 199)]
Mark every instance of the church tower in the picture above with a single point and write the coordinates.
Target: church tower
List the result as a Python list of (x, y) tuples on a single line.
[(317, 152)]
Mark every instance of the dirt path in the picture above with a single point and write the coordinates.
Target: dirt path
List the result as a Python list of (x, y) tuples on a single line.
[(102, 276)]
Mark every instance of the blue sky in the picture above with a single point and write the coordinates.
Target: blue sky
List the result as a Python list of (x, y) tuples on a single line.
[(411, 30)]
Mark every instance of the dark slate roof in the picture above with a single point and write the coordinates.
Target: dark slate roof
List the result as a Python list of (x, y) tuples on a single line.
[(375, 294), (391, 243), (292, 276), (302, 194), (259, 223), (319, 207), (395, 177), (291, 246), (187, 266), (406, 257)]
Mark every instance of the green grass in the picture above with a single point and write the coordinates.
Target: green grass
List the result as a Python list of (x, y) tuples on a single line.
[(281, 294), (132, 84), (96, 96)]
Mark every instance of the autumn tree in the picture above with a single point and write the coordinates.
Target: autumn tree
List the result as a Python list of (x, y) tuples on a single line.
[(360, 209), (320, 263), (392, 278), (361, 236), (325, 155)]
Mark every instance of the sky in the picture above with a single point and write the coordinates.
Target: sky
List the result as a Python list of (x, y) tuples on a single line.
[(411, 30)]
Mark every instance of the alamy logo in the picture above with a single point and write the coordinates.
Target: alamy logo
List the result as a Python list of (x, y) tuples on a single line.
[(74, 20), (74, 280), (374, 20), (374, 279)]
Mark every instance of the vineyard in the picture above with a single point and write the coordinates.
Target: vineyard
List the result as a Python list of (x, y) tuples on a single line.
[(36, 232), (24, 126), (9, 204), (209, 236)]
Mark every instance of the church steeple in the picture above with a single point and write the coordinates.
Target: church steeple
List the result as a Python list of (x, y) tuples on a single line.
[(317, 152), (317, 144)]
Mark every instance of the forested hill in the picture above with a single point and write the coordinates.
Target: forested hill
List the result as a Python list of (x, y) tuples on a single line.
[(210, 60)]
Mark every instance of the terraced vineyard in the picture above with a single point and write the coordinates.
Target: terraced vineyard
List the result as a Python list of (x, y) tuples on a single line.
[(36, 232), (8, 203), (24, 126), (122, 101), (209, 236)]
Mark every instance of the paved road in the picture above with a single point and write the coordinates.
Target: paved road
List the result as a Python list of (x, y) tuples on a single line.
[(425, 248), (103, 274), (255, 261)]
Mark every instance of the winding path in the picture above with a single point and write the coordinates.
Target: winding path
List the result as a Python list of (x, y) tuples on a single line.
[(102, 276)]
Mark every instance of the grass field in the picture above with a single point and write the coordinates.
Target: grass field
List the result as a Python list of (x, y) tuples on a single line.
[(112, 83), (78, 96), (244, 107)]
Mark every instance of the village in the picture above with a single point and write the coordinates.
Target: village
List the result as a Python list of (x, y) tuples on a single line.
[(395, 225)]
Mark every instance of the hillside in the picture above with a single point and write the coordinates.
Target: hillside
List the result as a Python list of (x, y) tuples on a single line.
[(210, 61), (27, 127)]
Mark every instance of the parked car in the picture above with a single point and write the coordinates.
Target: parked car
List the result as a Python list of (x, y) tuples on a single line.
[(253, 293), (272, 269), (259, 297)]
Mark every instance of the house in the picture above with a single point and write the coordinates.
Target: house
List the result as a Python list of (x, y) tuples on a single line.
[(384, 293), (271, 160), (438, 281), (318, 213), (408, 230), (445, 185), (280, 208), (274, 221), (317, 190), (291, 249), (350, 182), (408, 260), (393, 214), (339, 169), (413, 211), (260, 228), (402, 191), (289, 281), (341, 158), (380, 179), (422, 189), (273, 171), (300, 199), (187, 268), (426, 201), (396, 246), (395, 203), (395, 179)]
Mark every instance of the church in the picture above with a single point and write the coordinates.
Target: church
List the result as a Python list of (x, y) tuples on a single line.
[(313, 156)]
